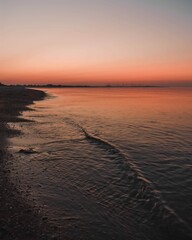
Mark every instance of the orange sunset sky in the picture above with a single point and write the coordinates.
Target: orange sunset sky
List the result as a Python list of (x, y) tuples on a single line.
[(96, 41)]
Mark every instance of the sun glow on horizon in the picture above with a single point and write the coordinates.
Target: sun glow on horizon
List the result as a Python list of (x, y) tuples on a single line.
[(95, 42)]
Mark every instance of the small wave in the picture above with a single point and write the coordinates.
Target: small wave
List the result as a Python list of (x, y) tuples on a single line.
[(142, 189)]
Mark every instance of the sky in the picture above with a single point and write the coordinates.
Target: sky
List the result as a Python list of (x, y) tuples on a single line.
[(96, 41)]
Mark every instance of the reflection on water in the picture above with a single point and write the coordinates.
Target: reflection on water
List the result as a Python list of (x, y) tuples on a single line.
[(110, 163)]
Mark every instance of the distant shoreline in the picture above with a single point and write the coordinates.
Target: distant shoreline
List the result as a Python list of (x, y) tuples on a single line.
[(51, 85), (84, 86)]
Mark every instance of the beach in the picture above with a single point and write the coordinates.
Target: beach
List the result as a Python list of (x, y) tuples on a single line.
[(17, 219)]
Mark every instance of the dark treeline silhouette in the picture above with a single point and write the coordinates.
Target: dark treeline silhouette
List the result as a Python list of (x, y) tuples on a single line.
[(79, 86)]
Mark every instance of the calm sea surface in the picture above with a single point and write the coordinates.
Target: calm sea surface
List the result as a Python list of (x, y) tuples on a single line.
[(109, 163)]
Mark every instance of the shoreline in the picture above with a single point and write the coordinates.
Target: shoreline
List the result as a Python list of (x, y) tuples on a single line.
[(18, 220)]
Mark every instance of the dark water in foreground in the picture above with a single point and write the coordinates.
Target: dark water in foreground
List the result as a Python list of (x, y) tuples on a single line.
[(110, 163)]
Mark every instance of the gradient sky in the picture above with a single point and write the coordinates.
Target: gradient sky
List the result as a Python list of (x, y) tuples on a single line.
[(95, 41)]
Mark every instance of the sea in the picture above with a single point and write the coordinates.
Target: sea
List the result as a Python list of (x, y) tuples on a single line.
[(108, 163)]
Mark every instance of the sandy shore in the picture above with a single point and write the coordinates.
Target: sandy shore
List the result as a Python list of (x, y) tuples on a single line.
[(17, 219)]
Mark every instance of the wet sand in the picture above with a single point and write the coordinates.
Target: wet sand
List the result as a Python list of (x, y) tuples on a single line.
[(18, 220)]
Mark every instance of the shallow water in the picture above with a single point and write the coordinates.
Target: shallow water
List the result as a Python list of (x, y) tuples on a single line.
[(109, 163)]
